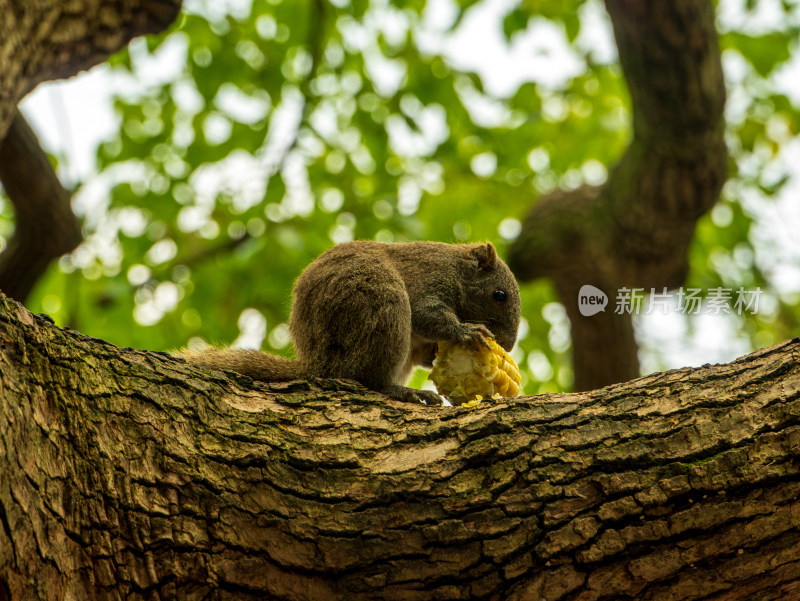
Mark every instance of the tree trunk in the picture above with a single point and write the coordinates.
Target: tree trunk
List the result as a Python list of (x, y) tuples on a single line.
[(131, 475), (635, 230)]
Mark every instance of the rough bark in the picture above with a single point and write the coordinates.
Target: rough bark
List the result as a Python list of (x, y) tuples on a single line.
[(46, 227), (51, 39), (635, 230), (131, 475), (42, 40)]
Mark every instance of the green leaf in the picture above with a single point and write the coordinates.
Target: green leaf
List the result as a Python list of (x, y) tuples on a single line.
[(764, 52), (514, 22)]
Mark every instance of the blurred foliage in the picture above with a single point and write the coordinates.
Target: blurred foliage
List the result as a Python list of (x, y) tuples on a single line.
[(295, 124)]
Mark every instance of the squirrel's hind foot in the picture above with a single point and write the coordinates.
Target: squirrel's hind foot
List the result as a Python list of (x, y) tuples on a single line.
[(412, 395)]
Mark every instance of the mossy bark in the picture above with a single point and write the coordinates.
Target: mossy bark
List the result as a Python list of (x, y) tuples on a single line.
[(131, 475)]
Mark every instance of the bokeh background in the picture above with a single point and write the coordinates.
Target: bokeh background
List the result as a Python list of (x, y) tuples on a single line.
[(209, 164)]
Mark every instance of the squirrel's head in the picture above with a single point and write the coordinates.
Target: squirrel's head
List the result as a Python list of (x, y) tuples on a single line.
[(491, 294)]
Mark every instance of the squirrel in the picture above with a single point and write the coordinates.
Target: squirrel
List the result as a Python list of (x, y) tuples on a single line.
[(372, 311)]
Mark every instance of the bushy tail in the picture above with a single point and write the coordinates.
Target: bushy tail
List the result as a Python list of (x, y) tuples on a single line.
[(251, 363)]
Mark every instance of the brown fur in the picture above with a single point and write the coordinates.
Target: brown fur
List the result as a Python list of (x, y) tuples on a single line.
[(371, 312)]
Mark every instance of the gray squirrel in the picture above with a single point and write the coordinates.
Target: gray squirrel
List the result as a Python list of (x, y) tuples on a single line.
[(372, 311)]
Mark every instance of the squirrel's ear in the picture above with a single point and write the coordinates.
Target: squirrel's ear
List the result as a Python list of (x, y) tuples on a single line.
[(484, 254)]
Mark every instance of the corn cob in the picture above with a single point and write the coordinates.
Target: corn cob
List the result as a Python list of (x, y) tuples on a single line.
[(463, 373)]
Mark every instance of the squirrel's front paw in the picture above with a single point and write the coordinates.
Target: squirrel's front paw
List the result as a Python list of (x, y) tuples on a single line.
[(477, 333)]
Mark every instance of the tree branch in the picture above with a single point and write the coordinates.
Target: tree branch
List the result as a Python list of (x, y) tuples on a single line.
[(127, 473), (41, 40), (46, 228), (50, 39), (635, 230)]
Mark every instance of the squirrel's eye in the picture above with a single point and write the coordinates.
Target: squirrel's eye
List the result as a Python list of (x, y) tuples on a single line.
[(499, 296)]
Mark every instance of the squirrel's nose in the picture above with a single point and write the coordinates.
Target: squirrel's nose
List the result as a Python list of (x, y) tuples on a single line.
[(507, 342)]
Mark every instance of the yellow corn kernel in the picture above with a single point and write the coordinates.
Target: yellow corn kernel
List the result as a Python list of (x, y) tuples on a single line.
[(463, 373)]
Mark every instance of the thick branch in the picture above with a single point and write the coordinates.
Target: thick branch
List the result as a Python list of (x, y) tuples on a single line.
[(46, 228), (52, 39), (130, 474), (636, 229), (41, 40)]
